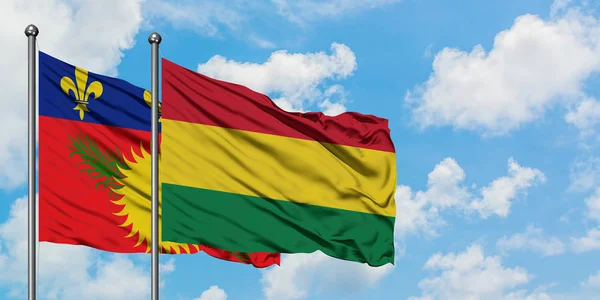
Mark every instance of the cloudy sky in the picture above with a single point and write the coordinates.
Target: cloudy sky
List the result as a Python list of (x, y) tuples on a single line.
[(493, 108)]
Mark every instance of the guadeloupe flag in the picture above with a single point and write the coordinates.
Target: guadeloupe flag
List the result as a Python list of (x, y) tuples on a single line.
[(239, 173), (94, 165)]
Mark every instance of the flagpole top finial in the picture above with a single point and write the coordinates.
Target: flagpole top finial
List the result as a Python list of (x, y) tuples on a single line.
[(31, 30), (154, 38)]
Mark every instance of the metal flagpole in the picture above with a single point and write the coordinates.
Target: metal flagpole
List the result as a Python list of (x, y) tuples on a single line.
[(31, 32), (154, 39)]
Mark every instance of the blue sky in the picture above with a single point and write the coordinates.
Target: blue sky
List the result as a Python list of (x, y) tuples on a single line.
[(492, 108)]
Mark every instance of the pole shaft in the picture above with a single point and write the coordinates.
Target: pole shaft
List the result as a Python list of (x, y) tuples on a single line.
[(31, 33), (154, 42)]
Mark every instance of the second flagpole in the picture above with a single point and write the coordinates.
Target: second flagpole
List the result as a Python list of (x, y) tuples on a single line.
[(154, 39)]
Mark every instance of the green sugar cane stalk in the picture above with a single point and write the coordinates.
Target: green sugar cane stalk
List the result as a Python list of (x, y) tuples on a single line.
[(103, 165)]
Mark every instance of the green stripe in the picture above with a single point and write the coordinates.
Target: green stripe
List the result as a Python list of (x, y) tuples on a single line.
[(252, 224)]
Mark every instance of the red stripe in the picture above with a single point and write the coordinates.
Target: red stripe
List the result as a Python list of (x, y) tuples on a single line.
[(192, 97), (73, 211)]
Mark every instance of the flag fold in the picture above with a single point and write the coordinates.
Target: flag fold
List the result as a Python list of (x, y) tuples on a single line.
[(241, 174)]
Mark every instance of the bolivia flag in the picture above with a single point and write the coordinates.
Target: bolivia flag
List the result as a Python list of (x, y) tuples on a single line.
[(94, 165), (238, 173)]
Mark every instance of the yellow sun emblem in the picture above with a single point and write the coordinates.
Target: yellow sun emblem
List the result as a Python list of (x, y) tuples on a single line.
[(136, 203)]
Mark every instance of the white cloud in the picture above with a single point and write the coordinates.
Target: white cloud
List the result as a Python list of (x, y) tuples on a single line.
[(585, 174), (420, 211), (301, 11), (590, 242), (585, 116), (213, 293), (593, 282), (532, 239), (202, 16), (532, 66), (117, 278), (331, 109), (415, 214), (261, 42), (75, 31), (168, 266), (593, 206), (84, 274), (496, 197), (164, 268), (303, 274), (427, 53), (536, 295), (472, 275), (588, 291), (292, 79), (559, 6), (335, 97)]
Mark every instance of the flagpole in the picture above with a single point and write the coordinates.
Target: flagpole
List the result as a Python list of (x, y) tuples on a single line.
[(31, 32), (154, 39)]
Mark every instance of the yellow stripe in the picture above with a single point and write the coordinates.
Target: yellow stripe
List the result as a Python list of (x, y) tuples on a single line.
[(276, 167)]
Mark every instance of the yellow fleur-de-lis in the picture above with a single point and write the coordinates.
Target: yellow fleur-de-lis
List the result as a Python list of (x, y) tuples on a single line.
[(148, 99), (81, 90)]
